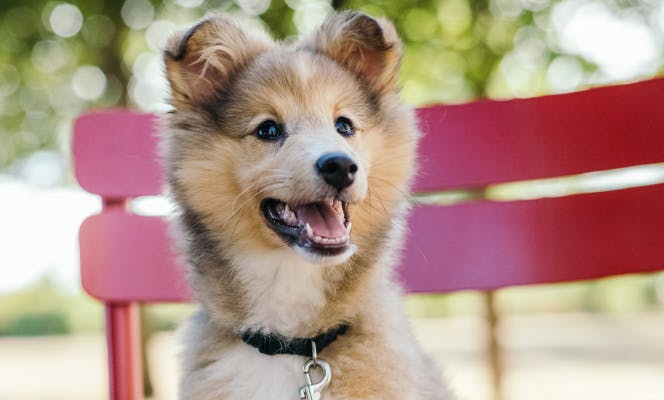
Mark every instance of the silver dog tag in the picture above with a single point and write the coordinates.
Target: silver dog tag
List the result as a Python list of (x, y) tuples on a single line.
[(314, 391)]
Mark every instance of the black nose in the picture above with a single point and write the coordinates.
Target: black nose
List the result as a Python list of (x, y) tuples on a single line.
[(337, 169)]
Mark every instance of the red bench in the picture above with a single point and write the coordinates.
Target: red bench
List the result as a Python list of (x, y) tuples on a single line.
[(126, 258)]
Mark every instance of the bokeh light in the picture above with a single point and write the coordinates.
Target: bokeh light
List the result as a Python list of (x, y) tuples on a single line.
[(89, 82), (148, 86), (619, 43), (43, 169), (33, 101), (48, 56), (455, 17), (509, 9), (420, 24), (64, 101), (253, 7), (137, 14), (158, 33), (310, 14), (190, 3), (564, 74), (10, 79), (66, 20)]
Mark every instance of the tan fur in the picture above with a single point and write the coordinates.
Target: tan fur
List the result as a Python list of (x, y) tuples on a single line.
[(224, 83)]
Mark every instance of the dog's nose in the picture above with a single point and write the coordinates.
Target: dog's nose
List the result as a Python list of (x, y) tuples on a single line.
[(337, 169)]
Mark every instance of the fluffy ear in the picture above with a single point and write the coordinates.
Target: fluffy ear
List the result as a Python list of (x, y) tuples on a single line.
[(201, 61), (368, 47)]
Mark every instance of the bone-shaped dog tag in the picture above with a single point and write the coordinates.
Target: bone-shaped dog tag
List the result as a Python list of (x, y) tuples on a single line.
[(314, 391)]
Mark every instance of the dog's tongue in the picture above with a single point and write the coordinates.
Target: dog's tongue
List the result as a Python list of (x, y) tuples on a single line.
[(322, 218)]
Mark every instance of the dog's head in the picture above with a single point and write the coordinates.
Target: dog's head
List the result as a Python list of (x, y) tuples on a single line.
[(304, 147)]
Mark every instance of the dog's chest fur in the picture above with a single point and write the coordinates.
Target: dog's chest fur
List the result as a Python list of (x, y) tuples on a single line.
[(244, 373), (284, 292)]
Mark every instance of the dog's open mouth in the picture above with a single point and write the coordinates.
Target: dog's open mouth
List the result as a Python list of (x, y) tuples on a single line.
[(321, 227)]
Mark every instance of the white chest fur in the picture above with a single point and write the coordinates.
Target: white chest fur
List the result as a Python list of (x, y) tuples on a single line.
[(284, 292), (245, 374)]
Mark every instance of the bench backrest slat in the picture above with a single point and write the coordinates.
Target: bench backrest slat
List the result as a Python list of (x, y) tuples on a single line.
[(116, 154), (129, 257), (497, 244), (488, 142)]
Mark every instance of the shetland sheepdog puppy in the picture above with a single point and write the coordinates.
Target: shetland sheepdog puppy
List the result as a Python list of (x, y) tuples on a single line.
[(291, 165)]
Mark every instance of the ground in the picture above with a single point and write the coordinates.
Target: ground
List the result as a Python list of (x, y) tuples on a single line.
[(547, 357)]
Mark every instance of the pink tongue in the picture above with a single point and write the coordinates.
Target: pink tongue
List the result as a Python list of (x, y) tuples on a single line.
[(322, 218)]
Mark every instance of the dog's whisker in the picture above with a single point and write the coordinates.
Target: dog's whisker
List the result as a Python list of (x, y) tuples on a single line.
[(389, 160), (263, 181), (245, 190), (368, 206), (382, 204), (390, 184), (244, 203)]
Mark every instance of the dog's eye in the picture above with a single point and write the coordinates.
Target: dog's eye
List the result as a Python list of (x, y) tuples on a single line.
[(269, 131), (344, 126)]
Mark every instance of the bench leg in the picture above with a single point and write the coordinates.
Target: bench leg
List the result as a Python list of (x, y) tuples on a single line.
[(124, 351), (495, 353)]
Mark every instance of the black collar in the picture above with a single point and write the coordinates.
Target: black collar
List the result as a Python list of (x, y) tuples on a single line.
[(275, 343)]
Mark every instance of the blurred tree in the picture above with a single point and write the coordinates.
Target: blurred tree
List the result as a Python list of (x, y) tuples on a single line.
[(58, 58), (55, 60)]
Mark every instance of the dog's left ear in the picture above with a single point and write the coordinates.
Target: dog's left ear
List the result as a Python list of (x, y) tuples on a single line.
[(368, 47)]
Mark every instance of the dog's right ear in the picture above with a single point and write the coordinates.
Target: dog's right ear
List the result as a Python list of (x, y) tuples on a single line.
[(201, 61)]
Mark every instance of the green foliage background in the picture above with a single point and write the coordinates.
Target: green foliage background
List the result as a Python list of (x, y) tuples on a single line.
[(453, 49)]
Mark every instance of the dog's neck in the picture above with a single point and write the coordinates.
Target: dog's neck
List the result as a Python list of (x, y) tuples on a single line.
[(244, 288), (283, 293)]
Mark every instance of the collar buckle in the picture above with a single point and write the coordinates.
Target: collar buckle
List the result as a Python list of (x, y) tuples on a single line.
[(310, 390)]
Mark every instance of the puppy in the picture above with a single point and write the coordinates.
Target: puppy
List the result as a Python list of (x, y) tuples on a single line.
[(291, 166)]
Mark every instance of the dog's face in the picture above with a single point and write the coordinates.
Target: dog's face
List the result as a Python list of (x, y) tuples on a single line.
[(305, 147)]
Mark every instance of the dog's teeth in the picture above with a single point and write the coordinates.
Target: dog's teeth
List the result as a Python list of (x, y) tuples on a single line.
[(287, 215), (310, 232), (325, 240), (279, 208), (292, 219), (349, 227)]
